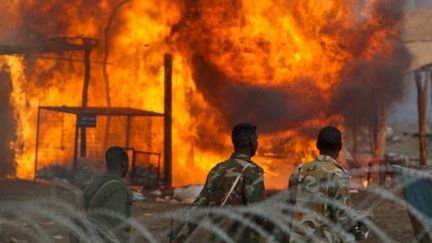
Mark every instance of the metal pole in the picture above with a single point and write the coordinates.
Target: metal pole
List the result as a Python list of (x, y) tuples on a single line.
[(87, 43), (128, 125), (167, 179), (159, 170), (37, 144), (75, 158), (133, 170)]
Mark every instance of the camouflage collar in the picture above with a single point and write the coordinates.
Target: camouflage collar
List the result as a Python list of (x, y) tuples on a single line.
[(113, 176), (327, 158), (330, 159), (246, 158), (240, 156)]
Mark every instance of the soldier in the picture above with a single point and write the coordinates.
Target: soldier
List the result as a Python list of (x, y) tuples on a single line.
[(110, 193), (237, 181), (318, 187)]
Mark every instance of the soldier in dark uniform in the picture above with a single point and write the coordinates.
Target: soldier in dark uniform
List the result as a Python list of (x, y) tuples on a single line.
[(110, 193), (237, 181)]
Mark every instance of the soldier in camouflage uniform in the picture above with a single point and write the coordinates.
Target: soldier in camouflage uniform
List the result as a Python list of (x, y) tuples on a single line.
[(313, 186), (219, 191), (110, 193)]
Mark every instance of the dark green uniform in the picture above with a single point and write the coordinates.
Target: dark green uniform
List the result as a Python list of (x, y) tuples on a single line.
[(248, 190), (108, 192)]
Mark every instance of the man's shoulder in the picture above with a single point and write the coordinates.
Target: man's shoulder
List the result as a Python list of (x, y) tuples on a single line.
[(237, 164), (94, 185), (108, 184), (220, 167), (320, 169), (101, 188), (233, 167), (327, 166), (254, 169)]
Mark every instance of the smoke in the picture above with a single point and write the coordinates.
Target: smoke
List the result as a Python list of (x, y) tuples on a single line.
[(270, 108), (371, 74), (283, 65), (419, 3), (368, 83)]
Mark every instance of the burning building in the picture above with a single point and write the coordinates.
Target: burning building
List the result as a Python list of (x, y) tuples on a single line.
[(288, 66)]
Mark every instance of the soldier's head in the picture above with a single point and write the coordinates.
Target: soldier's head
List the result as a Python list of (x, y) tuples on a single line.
[(117, 161), (329, 141), (245, 139)]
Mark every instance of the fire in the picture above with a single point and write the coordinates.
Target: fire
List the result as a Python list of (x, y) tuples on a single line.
[(275, 63), (365, 183)]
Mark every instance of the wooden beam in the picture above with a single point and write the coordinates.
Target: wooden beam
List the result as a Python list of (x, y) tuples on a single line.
[(167, 179), (422, 85), (87, 43)]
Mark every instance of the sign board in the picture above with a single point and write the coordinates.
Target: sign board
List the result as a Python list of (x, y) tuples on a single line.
[(86, 120)]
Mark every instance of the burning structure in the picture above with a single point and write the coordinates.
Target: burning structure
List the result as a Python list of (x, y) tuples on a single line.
[(86, 117), (288, 66)]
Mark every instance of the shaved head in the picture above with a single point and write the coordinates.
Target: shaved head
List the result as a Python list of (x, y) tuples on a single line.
[(244, 137)]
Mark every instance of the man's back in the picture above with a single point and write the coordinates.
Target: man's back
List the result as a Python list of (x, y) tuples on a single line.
[(249, 189), (316, 186), (109, 193), (237, 181), (219, 191)]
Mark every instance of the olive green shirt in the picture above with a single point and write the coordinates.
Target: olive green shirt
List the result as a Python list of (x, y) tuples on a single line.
[(110, 193), (249, 190)]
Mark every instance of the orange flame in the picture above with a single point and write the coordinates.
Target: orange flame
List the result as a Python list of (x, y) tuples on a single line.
[(301, 47), (365, 183)]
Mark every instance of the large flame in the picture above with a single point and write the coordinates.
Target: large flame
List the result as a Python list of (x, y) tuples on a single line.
[(276, 63)]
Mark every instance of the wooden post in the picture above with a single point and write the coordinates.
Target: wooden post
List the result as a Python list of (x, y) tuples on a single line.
[(422, 85), (369, 171), (128, 125), (133, 169), (378, 130), (371, 135), (87, 43), (127, 145), (167, 179), (354, 138), (75, 155), (37, 144), (380, 134)]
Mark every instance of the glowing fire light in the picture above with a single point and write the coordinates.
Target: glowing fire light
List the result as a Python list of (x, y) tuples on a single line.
[(290, 55), (365, 183)]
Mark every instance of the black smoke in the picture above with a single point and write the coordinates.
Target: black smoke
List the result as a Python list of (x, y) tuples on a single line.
[(270, 108), (365, 81)]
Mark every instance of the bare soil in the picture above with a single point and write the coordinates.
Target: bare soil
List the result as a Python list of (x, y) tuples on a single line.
[(390, 217)]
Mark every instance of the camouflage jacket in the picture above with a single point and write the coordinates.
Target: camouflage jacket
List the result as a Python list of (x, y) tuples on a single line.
[(248, 190), (318, 187)]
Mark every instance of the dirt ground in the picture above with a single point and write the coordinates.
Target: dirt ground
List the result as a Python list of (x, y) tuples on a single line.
[(391, 218)]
